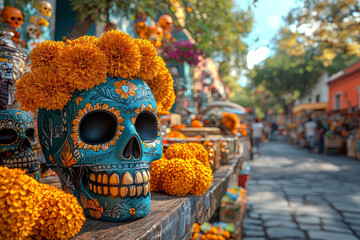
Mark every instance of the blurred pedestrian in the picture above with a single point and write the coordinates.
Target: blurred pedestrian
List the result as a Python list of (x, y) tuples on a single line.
[(310, 129), (274, 131), (257, 129), (321, 132)]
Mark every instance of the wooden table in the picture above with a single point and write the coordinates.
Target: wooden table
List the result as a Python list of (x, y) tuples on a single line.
[(170, 217)]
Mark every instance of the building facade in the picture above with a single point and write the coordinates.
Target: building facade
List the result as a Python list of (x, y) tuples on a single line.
[(344, 90)]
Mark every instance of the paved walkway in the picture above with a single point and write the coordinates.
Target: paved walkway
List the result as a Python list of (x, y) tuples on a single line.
[(294, 194)]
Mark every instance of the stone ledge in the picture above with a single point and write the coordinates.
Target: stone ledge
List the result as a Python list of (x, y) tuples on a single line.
[(170, 217)]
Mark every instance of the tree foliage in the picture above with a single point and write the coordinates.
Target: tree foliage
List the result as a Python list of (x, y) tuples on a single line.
[(330, 25), (217, 27)]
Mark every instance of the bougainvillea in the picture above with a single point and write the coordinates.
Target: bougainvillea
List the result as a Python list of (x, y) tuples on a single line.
[(181, 52)]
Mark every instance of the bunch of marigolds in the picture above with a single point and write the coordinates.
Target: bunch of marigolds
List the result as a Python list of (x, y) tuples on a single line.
[(33, 210), (211, 234), (183, 169)]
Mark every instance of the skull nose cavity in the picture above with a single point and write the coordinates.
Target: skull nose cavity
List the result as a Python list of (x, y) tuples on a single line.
[(25, 144), (132, 149)]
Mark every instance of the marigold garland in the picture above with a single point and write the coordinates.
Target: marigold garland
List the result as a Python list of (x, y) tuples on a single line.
[(33, 210), (24, 94), (203, 178), (178, 177), (51, 91), (122, 52), (82, 66), (150, 63), (45, 54), (160, 86), (79, 62)]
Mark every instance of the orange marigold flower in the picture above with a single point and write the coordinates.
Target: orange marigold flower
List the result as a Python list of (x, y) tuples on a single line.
[(30, 210), (203, 178), (175, 134), (156, 171), (178, 178), (61, 215), (82, 40), (45, 54), (24, 95), (179, 150), (49, 89), (82, 65), (162, 86), (150, 63), (201, 154), (196, 124), (122, 52), (18, 204), (231, 122)]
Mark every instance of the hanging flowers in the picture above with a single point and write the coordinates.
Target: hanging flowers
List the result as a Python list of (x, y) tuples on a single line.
[(183, 51)]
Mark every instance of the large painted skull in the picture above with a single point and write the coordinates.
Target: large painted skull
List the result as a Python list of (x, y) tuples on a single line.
[(12, 17), (101, 146), (17, 141), (45, 8)]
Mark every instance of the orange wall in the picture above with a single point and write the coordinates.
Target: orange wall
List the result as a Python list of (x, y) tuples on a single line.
[(346, 84)]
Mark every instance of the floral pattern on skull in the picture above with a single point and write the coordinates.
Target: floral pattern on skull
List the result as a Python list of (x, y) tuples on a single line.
[(96, 145)]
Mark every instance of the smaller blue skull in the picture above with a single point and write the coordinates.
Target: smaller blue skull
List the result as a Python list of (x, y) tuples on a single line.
[(17, 141)]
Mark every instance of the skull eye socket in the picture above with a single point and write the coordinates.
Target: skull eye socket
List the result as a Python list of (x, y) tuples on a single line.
[(19, 19), (146, 126), (30, 133), (97, 127), (8, 136), (12, 18)]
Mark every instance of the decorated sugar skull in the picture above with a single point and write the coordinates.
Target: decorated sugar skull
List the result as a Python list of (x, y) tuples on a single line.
[(45, 8), (156, 35), (102, 138), (17, 141), (31, 31), (12, 17), (166, 22)]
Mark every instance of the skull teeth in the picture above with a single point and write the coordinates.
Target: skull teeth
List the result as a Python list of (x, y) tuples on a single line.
[(109, 186), (24, 162)]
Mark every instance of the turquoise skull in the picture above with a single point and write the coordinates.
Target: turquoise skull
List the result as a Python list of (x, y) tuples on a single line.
[(17, 141), (101, 146)]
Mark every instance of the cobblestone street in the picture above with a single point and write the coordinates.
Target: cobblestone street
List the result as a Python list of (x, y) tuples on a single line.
[(294, 194)]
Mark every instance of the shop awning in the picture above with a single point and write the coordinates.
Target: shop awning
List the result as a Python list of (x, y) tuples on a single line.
[(310, 106)]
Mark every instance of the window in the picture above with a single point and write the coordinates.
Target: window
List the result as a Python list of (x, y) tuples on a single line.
[(317, 98), (337, 101)]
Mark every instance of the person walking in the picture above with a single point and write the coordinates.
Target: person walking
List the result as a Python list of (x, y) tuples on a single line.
[(310, 127), (321, 133), (257, 129)]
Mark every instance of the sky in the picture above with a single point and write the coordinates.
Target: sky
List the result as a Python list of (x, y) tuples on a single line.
[(268, 16)]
